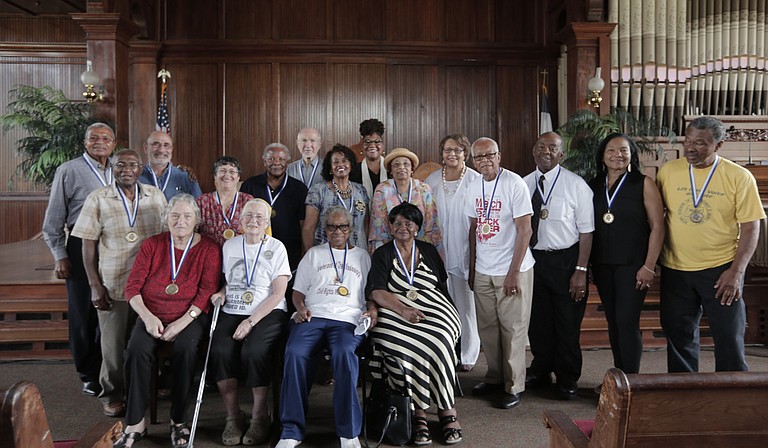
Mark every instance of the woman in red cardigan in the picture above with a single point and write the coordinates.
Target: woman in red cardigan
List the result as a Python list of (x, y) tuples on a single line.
[(170, 285)]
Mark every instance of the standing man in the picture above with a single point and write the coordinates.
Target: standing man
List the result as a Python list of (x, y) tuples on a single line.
[(286, 195), (73, 182), (712, 218), (562, 223), (160, 172), (500, 270), (113, 223), (307, 169)]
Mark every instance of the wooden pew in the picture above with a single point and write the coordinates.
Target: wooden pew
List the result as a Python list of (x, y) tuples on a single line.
[(679, 410), (24, 424)]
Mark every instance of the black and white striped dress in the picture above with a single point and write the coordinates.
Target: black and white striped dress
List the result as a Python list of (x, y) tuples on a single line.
[(426, 349)]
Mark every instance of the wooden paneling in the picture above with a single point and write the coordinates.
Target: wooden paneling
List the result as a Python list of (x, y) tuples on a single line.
[(22, 216), (359, 20), (250, 123), (194, 100), (248, 19), (516, 96), (409, 20), (414, 108), (468, 20), (470, 105), (519, 22), (359, 93), (191, 19), (300, 19), (303, 103), (50, 29)]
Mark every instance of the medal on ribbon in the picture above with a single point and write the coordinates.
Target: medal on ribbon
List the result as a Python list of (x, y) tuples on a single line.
[(410, 274), (544, 213), (696, 215), (485, 229), (277, 195), (410, 190), (341, 290), (104, 182), (131, 236), (155, 180), (250, 270), (228, 233), (312, 176), (608, 217), (173, 288)]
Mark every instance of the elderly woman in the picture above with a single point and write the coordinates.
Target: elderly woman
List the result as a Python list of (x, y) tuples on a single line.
[(448, 189), (221, 208), (400, 163), (252, 321), (329, 295), (417, 323), (337, 190), (629, 232), (371, 171), (172, 279)]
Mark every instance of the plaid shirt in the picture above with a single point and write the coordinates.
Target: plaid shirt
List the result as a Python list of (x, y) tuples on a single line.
[(104, 218)]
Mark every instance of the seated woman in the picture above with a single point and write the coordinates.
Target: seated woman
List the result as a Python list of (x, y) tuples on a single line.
[(252, 321), (418, 325), (172, 279), (329, 295)]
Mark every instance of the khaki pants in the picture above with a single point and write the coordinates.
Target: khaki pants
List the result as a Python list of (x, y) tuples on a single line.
[(116, 324), (503, 326)]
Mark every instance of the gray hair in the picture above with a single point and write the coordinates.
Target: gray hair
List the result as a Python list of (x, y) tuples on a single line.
[(494, 145), (274, 147), (127, 151), (181, 198), (98, 125), (337, 210), (711, 124)]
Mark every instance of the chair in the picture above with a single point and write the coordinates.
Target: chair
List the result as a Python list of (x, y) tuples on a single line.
[(24, 424)]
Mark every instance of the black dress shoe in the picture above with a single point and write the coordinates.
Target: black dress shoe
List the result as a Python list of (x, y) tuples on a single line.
[(567, 390), (487, 389), (91, 388), (509, 401), (537, 380)]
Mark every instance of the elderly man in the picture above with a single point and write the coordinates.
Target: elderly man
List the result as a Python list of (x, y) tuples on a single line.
[(160, 172), (562, 224), (73, 182), (113, 223), (307, 169), (286, 195), (713, 211), (500, 270)]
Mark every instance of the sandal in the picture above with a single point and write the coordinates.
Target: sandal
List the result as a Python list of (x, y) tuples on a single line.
[(450, 435), (421, 436), (258, 432), (125, 437), (179, 432), (233, 430)]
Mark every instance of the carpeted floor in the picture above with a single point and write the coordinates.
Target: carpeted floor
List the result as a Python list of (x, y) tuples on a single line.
[(70, 413)]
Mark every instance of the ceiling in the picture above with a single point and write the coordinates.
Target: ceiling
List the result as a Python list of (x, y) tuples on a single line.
[(40, 7)]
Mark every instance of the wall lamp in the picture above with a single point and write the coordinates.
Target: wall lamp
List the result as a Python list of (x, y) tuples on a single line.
[(90, 79), (595, 86)]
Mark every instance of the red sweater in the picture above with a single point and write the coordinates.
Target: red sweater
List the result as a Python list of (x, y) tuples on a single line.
[(197, 280)]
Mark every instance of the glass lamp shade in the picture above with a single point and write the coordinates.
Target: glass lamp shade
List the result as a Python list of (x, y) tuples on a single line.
[(596, 84), (89, 78)]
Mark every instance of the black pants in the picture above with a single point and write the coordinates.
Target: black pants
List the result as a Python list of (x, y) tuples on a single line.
[(555, 324), (82, 317), (623, 304), (139, 357)]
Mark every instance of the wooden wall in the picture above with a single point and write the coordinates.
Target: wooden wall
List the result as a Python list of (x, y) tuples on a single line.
[(246, 73)]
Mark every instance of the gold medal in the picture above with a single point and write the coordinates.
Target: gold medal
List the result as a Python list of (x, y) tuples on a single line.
[(229, 233), (247, 297), (172, 289), (360, 206), (608, 218), (412, 294), (696, 216), (343, 291), (544, 213), (485, 229), (131, 237)]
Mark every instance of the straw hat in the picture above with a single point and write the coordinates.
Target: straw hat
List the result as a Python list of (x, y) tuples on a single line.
[(401, 152)]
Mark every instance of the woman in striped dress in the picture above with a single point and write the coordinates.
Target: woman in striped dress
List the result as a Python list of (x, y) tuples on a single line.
[(418, 324)]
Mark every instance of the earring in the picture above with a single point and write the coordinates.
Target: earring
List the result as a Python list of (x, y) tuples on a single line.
[(629, 168)]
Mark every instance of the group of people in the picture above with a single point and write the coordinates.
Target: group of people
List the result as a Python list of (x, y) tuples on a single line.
[(314, 254)]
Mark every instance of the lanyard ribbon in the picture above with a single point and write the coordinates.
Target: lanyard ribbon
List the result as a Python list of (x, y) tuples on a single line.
[(312, 176), (698, 197), (249, 273), (229, 219), (132, 214), (269, 191), (104, 182), (340, 278), (409, 274), (174, 269), (610, 198), (551, 189), (487, 212), (410, 189), (167, 177)]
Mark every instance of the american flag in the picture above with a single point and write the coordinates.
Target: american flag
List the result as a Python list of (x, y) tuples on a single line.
[(163, 121)]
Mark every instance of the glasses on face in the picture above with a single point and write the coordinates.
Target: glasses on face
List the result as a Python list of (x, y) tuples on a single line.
[(406, 224), (481, 157), (248, 217), (100, 138), (456, 151), (396, 165), (276, 160), (369, 142), (129, 165), (158, 145), (224, 171), (332, 228)]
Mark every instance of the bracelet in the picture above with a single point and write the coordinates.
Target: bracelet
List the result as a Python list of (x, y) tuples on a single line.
[(649, 270), (581, 268)]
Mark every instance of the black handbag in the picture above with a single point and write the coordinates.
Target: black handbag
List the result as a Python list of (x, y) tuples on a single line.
[(388, 412)]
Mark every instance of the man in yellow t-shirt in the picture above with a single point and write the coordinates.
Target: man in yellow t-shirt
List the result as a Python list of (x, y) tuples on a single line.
[(713, 210)]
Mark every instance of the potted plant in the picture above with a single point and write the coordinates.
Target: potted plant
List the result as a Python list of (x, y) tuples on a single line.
[(54, 128)]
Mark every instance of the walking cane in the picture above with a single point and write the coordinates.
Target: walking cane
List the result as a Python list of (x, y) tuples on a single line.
[(201, 389)]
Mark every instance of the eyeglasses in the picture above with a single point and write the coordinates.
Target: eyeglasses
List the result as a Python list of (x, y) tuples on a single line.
[(481, 157), (130, 165), (247, 217), (223, 171), (406, 224), (368, 142), (332, 228), (456, 151), (100, 138), (396, 165), (158, 145)]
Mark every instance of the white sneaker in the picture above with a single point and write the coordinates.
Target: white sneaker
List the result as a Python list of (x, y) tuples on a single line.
[(288, 443), (350, 443)]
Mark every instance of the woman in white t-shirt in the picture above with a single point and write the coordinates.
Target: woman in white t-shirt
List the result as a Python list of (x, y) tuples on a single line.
[(329, 295), (252, 321)]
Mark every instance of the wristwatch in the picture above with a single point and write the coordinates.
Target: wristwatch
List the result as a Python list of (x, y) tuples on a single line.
[(193, 314)]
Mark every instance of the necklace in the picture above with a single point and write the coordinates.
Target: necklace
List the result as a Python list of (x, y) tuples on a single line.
[(344, 194), (458, 184)]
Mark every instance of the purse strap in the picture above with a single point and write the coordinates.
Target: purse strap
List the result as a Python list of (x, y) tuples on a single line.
[(392, 414)]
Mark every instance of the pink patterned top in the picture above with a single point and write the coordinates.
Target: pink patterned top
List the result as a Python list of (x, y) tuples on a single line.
[(213, 224)]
